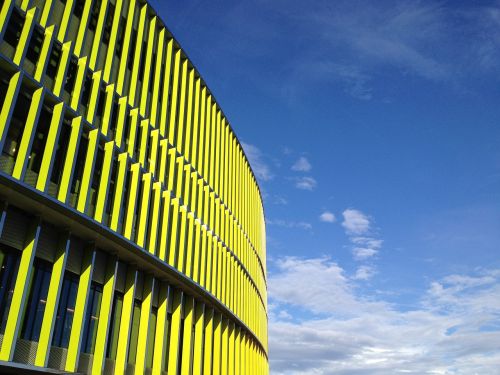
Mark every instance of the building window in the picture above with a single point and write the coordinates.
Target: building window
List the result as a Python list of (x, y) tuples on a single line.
[(92, 318), (66, 311), (37, 300), (134, 332), (14, 28), (9, 264), (114, 328)]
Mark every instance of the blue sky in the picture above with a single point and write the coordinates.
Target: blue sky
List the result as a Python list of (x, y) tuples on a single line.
[(373, 128)]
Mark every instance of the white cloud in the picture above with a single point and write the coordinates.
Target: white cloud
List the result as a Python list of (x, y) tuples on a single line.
[(305, 183), (302, 165), (289, 224), (364, 273), (259, 166), (327, 217), (362, 253), (330, 327), (355, 222)]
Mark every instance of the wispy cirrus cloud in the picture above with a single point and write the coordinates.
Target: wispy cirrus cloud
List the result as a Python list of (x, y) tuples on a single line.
[(305, 183), (289, 224), (257, 162), (321, 323), (302, 165)]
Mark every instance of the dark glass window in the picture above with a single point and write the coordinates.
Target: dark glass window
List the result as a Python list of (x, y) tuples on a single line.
[(66, 311), (55, 57), (121, 35), (37, 300), (96, 179), (151, 336), (134, 332), (111, 192), (15, 132), (86, 90), (14, 28), (71, 75), (9, 265), (94, 16), (38, 147), (114, 327), (78, 171), (61, 151), (92, 318), (78, 8), (108, 24), (35, 45)]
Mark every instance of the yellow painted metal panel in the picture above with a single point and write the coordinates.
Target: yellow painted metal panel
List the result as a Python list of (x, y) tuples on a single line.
[(142, 339), (198, 339), (131, 200), (153, 151), (82, 294), (203, 260), (161, 330), (189, 115), (22, 45), (44, 53), (61, 70), (118, 196), (97, 34), (108, 107), (49, 151), (174, 99), (112, 41), (126, 321), (126, 45), (80, 78), (94, 95), (196, 127), (225, 346), (163, 161), (147, 66), (82, 27), (76, 125), (104, 182), (156, 78), (105, 315), (188, 269), (208, 346), (172, 256), (173, 356), (56, 279), (196, 242), (237, 351), (144, 141), (187, 342), (217, 359), (122, 112), (181, 253), (231, 365), (181, 124), (134, 77), (63, 26), (165, 100), (201, 142), (134, 114), (155, 214), (144, 209), (4, 11), (87, 171), (28, 135), (19, 296), (162, 253)]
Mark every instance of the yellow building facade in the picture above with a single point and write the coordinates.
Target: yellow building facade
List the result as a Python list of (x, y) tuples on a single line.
[(132, 231)]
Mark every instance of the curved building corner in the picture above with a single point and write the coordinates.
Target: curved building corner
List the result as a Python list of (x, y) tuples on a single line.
[(132, 231)]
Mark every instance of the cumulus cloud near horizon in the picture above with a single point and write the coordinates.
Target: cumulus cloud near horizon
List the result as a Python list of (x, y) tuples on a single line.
[(322, 323)]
